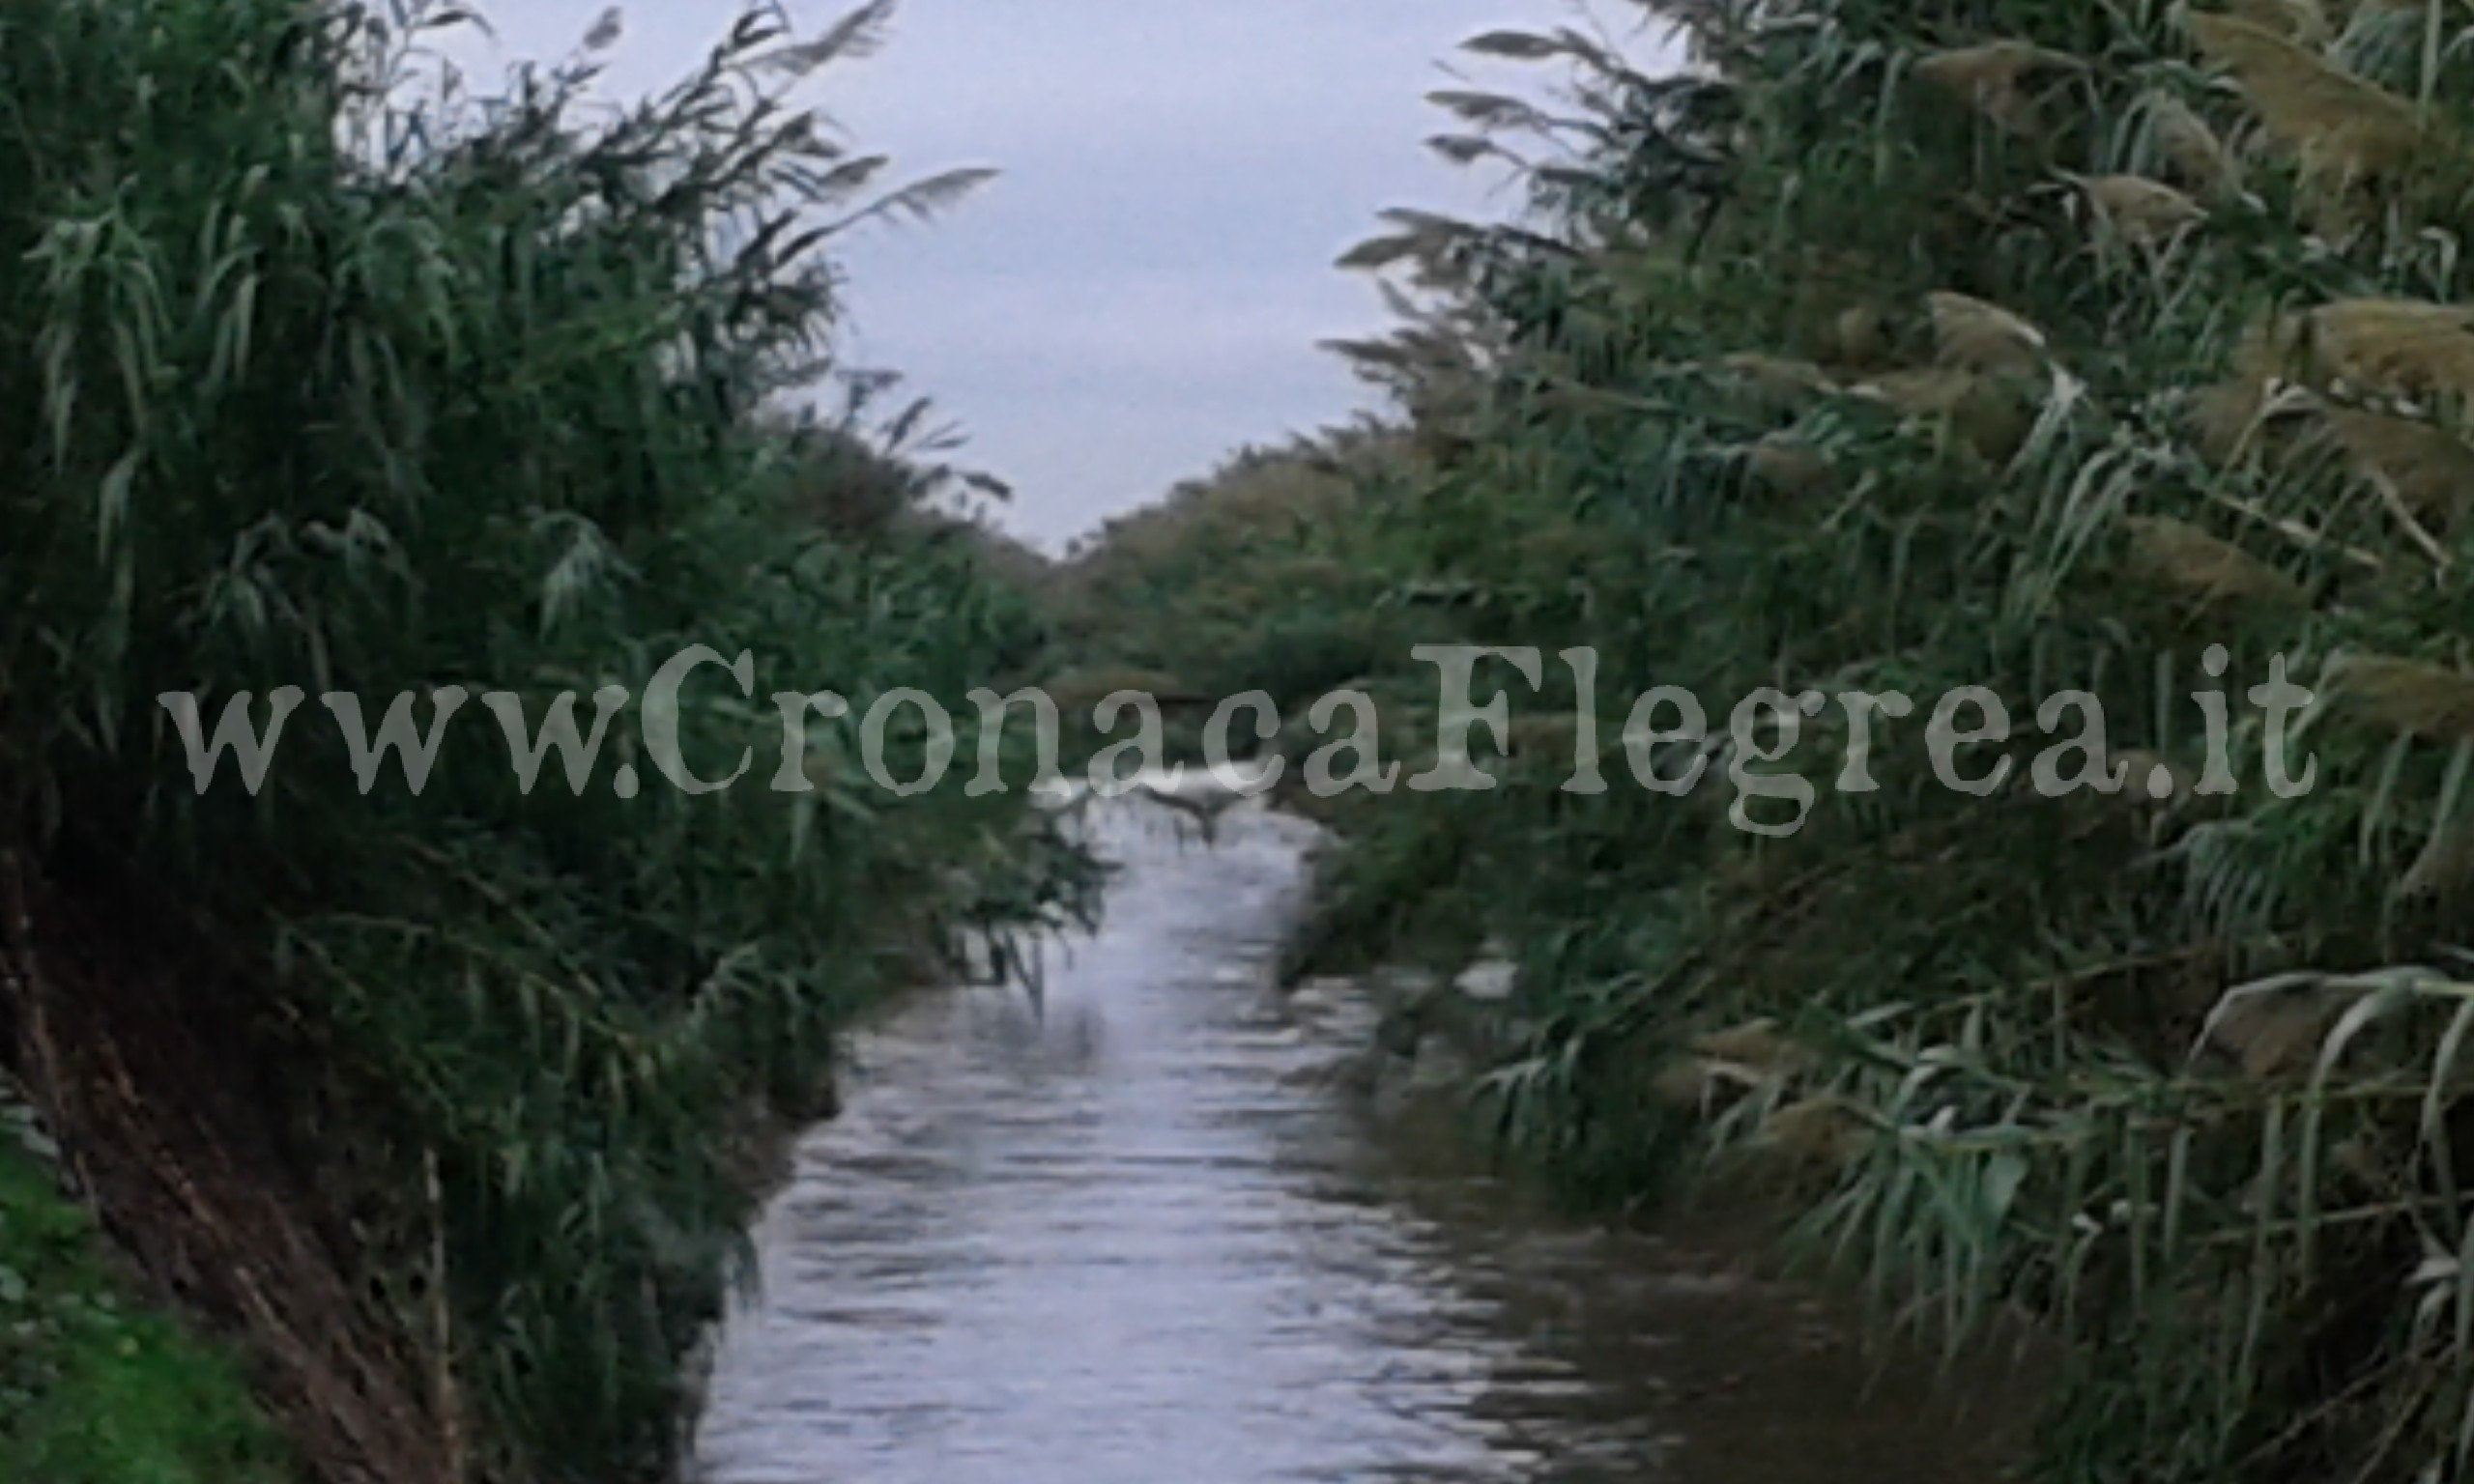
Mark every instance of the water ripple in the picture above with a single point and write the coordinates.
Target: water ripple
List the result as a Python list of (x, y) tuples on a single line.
[(1134, 1240)]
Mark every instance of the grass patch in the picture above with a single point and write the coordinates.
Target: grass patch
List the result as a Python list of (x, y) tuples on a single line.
[(95, 1388)]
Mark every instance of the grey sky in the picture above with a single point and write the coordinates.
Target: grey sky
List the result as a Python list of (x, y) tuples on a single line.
[(1141, 291)]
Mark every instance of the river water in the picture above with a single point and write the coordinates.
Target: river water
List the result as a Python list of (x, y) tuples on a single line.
[(1141, 1236)]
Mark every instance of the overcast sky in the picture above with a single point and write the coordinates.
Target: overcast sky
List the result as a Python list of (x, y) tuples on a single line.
[(1141, 290)]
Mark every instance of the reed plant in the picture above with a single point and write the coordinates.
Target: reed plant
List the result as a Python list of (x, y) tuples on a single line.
[(1889, 347), (329, 370)]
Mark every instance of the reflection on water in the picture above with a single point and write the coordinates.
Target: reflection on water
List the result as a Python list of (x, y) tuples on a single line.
[(1141, 1239)]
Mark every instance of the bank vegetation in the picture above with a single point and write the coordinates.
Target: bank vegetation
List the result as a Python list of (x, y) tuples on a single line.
[(1897, 347), (329, 368)]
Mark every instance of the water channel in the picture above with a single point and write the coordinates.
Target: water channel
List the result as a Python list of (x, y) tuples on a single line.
[(1144, 1236)]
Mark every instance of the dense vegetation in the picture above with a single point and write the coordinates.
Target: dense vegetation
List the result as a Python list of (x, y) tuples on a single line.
[(327, 373), (1900, 348)]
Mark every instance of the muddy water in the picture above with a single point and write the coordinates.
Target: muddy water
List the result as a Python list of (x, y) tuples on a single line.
[(1142, 1236)]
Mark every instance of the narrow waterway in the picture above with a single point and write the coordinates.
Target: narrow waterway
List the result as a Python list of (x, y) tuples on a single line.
[(1144, 1237)]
